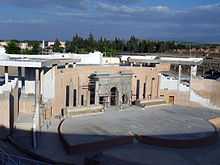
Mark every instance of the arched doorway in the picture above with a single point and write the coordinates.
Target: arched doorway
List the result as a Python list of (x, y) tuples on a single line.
[(114, 96)]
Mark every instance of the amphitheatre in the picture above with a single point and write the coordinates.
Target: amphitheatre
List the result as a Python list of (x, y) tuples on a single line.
[(88, 109)]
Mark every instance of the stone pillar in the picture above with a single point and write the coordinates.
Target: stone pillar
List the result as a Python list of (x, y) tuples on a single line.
[(179, 77), (36, 120), (119, 97), (97, 93), (71, 94), (20, 83), (87, 97), (193, 72), (37, 92), (158, 85), (66, 65), (6, 74), (78, 103), (41, 80), (74, 65)]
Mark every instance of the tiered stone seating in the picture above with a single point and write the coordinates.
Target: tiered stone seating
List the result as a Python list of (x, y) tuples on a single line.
[(146, 103), (73, 111)]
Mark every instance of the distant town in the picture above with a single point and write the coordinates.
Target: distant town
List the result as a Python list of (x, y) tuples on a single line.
[(115, 47), (111, 47)]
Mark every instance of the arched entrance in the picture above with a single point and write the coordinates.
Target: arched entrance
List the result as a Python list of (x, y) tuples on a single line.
[(114, 96)]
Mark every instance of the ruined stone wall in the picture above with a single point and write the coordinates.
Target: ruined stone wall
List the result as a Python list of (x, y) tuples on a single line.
[(9, 109), (5, 110), (208, 89), (78, 78)]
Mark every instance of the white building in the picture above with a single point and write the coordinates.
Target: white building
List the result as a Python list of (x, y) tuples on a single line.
[(3, 44), (24, 45)]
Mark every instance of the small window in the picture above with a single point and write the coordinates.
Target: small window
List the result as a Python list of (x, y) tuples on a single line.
[(144, 91), (82, 100), (74, 97), (67, 96), (137, 89)]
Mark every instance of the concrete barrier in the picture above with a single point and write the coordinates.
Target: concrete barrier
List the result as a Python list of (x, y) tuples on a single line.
[(94, 146)]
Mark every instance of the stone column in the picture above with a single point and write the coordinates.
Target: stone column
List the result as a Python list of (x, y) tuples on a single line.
[(193, 72), (97, 93), (78, 103), (66, 65), (36, 120), (41, 81), (179, 77), (87, 97), (6, 74), (37, 92), (119, 97), (20, 81), (74, 65), (71, 94), (158, 85)]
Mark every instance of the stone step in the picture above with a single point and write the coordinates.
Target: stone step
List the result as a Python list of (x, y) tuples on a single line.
[(24, 126)]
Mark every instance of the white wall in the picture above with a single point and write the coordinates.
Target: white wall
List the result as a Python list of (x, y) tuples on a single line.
[(168, 83), (91, 58), (8, 86), (48, 85), (29, 87), (110, 60)]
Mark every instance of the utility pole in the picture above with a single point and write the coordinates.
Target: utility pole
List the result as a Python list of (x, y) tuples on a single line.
[(43, 47), (190, 47)]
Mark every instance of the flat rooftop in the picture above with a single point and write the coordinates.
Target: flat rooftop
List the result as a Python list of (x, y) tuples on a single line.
[(34, 61)]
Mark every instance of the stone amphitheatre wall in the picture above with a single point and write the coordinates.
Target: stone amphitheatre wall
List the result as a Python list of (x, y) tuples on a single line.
[(209, 89)]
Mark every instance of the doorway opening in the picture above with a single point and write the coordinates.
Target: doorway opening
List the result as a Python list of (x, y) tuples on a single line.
[(114, 96)]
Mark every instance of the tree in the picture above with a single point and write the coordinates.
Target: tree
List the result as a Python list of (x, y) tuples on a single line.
[(35, 48), (57, 47), (12, 48)]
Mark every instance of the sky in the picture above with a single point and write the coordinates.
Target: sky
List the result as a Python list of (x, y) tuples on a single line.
[(181, 20)]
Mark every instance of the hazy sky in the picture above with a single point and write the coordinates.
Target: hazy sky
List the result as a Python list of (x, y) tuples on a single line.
[(192, 20)]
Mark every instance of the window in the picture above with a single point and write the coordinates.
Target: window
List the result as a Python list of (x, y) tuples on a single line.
[(144, 91), (92, 97), (137, 89), (82, 100), (152, 86), (101, 100), (67, 95), (74, 97)]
